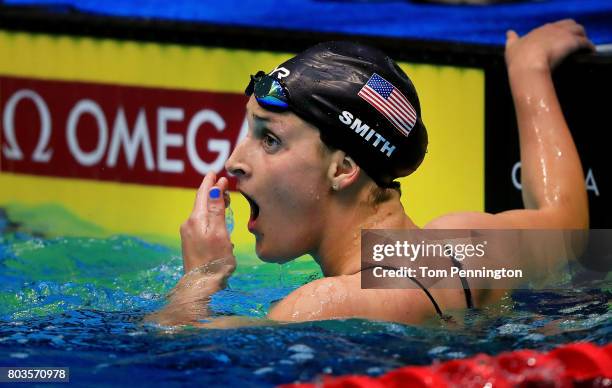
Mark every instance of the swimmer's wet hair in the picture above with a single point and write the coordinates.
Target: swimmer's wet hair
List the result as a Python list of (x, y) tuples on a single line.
[(325, 87), (379, 194)]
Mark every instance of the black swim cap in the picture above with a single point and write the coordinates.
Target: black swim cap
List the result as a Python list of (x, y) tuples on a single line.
[(362, 103)]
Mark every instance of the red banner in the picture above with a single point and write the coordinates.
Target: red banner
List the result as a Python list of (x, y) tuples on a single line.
[(117, 133)]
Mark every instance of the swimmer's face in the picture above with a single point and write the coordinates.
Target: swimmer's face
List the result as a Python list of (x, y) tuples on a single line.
[(281, 167)]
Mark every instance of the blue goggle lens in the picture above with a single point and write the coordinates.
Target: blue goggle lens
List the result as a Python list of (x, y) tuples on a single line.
[(268, 91)]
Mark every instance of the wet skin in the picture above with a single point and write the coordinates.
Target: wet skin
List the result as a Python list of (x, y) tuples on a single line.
[(288, 176), (281, 167)]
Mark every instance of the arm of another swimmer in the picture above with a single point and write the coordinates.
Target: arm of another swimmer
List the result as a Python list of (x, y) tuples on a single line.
[(208, 260)]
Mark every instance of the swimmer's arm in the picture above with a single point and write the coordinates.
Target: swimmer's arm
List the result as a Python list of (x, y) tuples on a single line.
[(551, 172), (326, 298), (553, 187), (188, 300), (208, 259)]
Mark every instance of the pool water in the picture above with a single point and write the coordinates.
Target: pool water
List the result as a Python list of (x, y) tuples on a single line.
[(79, 303)]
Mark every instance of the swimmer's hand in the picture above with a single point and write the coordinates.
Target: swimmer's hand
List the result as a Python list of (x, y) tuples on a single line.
[(208, 260), (545, 47), (204, 236)]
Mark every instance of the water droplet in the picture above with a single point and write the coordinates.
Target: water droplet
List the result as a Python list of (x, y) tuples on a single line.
[(301, 357), (262, 371), (300, 348), (229, 219)]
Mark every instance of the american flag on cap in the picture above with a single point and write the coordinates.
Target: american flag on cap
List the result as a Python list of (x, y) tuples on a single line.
[(389, 101)]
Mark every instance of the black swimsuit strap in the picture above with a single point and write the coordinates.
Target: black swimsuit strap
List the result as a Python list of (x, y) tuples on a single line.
[(466, 286), (464, 283), (431, 298)]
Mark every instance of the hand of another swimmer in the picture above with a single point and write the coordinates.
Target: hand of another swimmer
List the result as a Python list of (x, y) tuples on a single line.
[(545, 47), (204, 236)]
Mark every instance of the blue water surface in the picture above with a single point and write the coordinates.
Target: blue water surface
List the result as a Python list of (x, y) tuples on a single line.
[(80, 302)]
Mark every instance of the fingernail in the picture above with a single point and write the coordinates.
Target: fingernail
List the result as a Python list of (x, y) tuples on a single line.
[(214, 193)]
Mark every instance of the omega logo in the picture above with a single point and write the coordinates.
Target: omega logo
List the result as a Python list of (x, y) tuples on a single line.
[(114, 135)]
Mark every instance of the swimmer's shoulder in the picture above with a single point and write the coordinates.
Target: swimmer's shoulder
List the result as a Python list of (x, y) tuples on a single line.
[(546, 218), (341, 297), (466, 220), (318, 299)]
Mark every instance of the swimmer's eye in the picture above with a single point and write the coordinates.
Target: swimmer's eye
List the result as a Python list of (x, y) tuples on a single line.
[(270, 142)]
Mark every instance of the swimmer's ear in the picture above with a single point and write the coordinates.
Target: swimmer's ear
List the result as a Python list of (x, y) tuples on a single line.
[(343, 171)]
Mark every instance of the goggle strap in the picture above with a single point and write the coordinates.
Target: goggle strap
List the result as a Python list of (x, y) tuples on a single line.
[(254, 78)]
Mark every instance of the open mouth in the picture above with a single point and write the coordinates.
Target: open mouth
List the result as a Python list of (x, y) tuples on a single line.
[(254, 207)]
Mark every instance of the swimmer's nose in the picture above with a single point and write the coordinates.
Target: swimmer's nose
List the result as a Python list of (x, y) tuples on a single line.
[(236, 165)]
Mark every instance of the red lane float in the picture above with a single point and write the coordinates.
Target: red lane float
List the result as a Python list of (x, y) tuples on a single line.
[(579, 364)]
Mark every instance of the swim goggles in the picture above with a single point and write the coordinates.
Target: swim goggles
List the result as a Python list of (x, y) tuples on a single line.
[(268, 91)]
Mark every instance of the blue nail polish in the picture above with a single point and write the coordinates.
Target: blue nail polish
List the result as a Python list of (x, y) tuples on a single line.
[(215, 193)]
